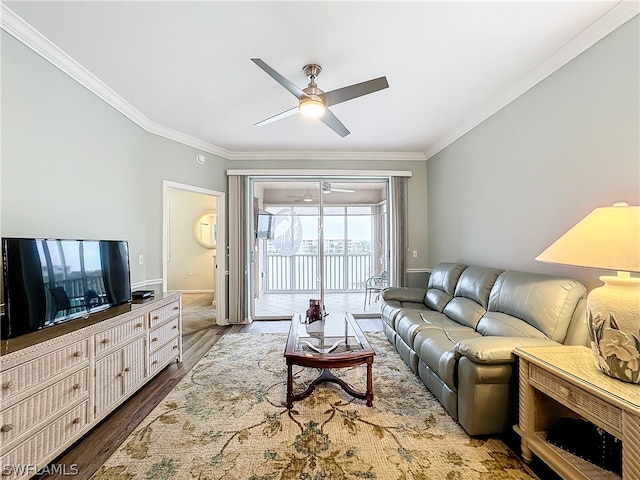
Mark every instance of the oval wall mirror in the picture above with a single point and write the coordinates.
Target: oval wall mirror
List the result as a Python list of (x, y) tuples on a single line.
[(204, 229)]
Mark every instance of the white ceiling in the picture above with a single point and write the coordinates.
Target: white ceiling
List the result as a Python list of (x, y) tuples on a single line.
[(184, 69)]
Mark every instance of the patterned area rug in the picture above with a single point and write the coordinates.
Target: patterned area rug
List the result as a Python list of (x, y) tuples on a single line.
[(227, 420)]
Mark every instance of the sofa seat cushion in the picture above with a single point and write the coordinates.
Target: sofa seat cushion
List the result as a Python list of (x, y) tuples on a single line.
[(410, 322), (440, 320), (436, 349), (393, 315), (497, 350)]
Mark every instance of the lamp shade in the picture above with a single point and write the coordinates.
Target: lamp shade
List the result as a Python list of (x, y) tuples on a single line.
[(608, 238)]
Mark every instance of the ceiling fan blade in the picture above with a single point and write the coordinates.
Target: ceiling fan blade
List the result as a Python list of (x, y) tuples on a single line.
[(279, 116), (331, 121), (289, 85), (354, 91)]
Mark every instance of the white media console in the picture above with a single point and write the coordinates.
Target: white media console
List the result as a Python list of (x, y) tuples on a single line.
[(58, 383)]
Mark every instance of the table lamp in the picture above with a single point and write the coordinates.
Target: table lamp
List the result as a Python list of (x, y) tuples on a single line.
[(608, 238)]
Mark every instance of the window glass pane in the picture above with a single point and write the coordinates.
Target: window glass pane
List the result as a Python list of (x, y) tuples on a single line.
[(306, 210), (334, 234), (360, 233), (333, 210), (360, 210), (309, 234)]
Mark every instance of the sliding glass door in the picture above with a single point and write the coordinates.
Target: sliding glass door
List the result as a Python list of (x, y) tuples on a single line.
[(320, 238)]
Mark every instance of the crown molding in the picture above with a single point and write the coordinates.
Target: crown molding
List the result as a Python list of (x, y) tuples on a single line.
[(319, 173), (30, 37), (319, 155), (619, 14), (25, 33)]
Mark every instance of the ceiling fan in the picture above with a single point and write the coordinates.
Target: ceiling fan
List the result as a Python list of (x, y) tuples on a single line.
[(314, 102), (327, 188)]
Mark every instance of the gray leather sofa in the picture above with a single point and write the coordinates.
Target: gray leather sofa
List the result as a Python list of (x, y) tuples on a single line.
[(458, 335)]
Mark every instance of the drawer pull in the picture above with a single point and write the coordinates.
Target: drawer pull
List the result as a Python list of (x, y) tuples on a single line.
[(138, 325), (156, 317), (127, 369), (176, 308), (175, 347), (154, 339), (105, 340), (6, 428), (6, 385), (77, 354), (75, 421), (76, 386), (155, 362), (564, 392), (174, 327)]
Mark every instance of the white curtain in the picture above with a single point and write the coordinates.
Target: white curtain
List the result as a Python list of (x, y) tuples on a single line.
[(238, 240), (397, 231)]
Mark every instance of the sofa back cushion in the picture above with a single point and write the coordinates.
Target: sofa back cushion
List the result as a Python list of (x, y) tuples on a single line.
[(544, 302), (471, 295), (442, 284)]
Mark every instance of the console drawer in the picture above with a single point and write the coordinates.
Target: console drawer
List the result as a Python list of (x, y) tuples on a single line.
[(16, 420), (118, 335), (161, 315), (163, 334), (44, 444), (586, 403), (33, 373), (163, 356)]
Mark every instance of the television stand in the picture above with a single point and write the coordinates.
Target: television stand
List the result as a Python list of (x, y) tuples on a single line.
[(58, 383)]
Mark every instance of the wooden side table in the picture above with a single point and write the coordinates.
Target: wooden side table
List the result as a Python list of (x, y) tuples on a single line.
[(564, 381)]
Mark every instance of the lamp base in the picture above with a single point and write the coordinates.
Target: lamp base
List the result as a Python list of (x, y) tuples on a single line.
[(614, 327)]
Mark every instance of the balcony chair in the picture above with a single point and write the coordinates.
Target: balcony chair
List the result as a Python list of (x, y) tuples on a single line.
[(376, 284)]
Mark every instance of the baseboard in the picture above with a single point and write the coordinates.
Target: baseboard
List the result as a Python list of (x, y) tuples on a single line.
[(146, 283)]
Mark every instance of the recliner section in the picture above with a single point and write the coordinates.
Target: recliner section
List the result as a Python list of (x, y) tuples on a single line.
[(458, 334)]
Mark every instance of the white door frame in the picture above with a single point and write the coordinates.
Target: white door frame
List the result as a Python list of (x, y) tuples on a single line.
[(221, 245)]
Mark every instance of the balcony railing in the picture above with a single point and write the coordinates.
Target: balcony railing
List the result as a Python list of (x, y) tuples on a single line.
[(300, 272)]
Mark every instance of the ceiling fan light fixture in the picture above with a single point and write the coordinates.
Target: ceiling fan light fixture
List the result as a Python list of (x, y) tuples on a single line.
[(307, 197), (311, 107)]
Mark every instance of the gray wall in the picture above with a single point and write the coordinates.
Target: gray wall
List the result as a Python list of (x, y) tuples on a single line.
[(510, 187), (74, 167)]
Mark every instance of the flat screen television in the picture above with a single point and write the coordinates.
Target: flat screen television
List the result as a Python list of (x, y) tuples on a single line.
[(264, 225), (50, 281)]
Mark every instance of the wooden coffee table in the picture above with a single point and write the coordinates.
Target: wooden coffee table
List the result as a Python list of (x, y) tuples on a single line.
[(334, 342)]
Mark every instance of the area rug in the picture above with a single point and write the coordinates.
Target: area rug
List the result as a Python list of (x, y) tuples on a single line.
[(227, 419)]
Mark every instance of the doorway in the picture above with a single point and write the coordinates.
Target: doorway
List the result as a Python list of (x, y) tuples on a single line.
[(194, 245), (317, 238)]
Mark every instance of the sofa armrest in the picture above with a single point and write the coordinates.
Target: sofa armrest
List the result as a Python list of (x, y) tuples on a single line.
[(404, 294), (492, 349)]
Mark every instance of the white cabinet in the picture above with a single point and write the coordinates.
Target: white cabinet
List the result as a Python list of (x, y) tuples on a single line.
[(165, 340), (118, 374), (56, 384)]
